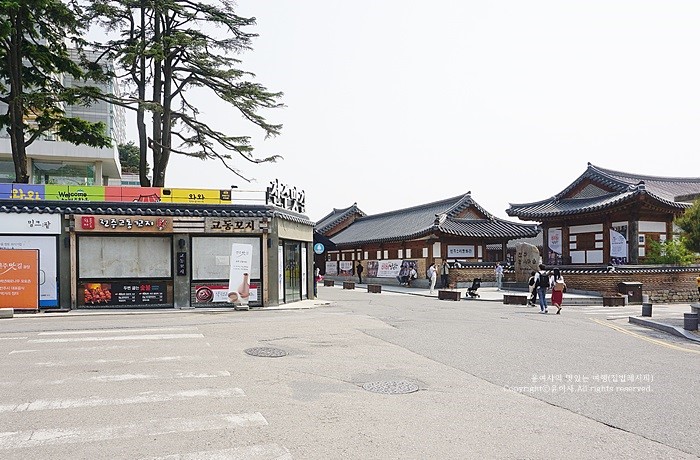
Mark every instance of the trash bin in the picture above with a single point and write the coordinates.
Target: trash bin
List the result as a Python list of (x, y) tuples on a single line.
[(690, 321), (632, 289)]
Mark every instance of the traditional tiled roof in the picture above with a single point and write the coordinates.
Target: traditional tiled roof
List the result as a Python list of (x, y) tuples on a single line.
[(426, 219), (150, 209), (336, 217), (605, 189)]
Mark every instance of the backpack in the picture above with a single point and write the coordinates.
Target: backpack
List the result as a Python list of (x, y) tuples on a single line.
[(544, 280)]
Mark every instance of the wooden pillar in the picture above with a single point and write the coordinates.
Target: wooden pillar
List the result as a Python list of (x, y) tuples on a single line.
[(545, 245), (633, 243), (565, 251), (607, 225)]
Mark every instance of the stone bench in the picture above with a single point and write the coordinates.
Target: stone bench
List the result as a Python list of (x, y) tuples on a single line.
[(348, 285), (514, 299), (449, 295), (7, 312), (613, 301), (328, 283), (374, 288)]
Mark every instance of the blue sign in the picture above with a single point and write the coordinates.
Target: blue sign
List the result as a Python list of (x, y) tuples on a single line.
[(319, 248)]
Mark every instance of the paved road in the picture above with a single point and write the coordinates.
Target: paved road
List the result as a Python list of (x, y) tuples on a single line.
[(179, 385)]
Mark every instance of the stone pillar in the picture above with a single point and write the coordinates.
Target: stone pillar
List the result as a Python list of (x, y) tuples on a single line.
[(181, 283)]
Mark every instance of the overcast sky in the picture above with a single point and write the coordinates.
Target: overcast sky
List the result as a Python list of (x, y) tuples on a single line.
[(394, 103)]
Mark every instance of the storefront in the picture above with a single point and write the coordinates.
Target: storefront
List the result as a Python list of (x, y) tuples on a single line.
[(41, 232)]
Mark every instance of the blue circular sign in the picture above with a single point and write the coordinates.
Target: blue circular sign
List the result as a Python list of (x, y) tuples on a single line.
[(319, 248)]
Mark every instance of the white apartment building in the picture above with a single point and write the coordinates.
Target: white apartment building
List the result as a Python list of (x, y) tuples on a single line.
[(52, 161)]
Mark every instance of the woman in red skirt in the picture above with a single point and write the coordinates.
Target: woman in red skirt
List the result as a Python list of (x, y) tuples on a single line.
[(558, 288)]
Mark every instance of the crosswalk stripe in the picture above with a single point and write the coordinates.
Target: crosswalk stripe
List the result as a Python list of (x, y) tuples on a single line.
[(159, 359), (148, 397), (118, 331), (119, 378), (40, 438), (123, 337), (13, 338), (257, 452)]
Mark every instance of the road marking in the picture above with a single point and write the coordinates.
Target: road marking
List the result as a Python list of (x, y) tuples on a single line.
[(22, 351), (120, 378), (160, 359), (147, 397), (648, 339), (123, 337), (118, 331), (41, 438), (13, 338), (257, 452)]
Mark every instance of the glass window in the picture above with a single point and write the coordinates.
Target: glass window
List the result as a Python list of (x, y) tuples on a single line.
[(7, 171), (62, 173)]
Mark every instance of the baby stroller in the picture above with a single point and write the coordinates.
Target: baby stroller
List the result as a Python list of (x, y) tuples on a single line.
[(471, 292)]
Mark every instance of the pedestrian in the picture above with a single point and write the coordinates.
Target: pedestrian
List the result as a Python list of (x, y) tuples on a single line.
[(432, 274), (558, 288), (542, 283), (359, 269), (317, 278), (499, 276), (445, 275), (403, 275), (412, 274), (533, 289)]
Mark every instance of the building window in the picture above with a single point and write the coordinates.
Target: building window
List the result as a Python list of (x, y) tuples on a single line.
[(7, 172), (62, 173)]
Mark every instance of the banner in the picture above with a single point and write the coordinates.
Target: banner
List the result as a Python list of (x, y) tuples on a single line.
[(554, 236), (239, 278), (618, 245), (331, 268), (389, 268), (19, 279), (345, 268), (48, 276)]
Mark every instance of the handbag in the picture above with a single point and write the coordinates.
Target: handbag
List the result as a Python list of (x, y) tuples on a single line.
[(559, 286)]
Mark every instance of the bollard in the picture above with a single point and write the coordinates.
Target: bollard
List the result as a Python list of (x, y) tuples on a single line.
[(645, 298), (690, 321), (646, 309)]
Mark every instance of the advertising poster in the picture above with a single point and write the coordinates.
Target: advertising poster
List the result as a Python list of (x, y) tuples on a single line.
[(372, 268), (19, 279), (331, 268), (554, 236), (48, 287), (345, 267), (218, 293), (124, 294), (389, 268), (239, 278), (303, 272)]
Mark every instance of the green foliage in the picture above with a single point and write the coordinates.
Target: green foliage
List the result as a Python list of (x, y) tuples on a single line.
[(166, 48), (34, 56), (669, 252), (129, 157), (689, 222)]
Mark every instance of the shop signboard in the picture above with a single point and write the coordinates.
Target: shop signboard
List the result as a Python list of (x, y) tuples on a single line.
[(121, 224), (460, 251), (231, 225), (19, 279), (74, 193), (124, 293)]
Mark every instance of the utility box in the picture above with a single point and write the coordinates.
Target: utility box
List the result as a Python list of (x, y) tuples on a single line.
[(633, 291)]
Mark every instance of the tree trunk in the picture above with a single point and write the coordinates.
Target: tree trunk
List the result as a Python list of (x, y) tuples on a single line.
[(15, 107), (158, 175), (140, 112)]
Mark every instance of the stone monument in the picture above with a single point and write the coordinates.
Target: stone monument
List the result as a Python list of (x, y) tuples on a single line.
[(527, 259)]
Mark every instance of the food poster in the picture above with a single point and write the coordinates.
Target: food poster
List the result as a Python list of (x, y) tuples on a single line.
[(218, 293), (19, 279), (239, 279), (124, 293), (48, 275), (345, 268)]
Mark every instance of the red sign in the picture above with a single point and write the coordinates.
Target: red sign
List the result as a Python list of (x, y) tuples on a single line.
[(87, 222)]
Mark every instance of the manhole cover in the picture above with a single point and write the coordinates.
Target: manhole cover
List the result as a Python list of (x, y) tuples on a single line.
[(396, 387), (266, 352)]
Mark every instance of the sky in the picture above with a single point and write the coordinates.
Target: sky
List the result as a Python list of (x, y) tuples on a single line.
[(391, 104)]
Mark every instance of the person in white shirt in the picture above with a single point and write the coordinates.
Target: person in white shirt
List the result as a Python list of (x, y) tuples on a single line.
[(499, 276), (432, 274)]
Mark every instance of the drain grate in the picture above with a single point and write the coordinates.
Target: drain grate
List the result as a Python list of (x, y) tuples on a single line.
[(392, 387), (266, 352)]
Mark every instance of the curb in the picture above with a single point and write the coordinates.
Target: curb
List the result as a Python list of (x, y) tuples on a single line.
[(673, 330)]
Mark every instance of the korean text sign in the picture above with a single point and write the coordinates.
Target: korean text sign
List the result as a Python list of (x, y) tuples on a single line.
[(19, 279)]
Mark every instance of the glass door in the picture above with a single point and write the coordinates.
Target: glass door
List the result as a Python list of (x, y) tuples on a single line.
[(292, 271)]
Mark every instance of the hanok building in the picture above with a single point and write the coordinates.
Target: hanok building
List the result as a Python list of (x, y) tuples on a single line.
[(454, 229), (608, 217)]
